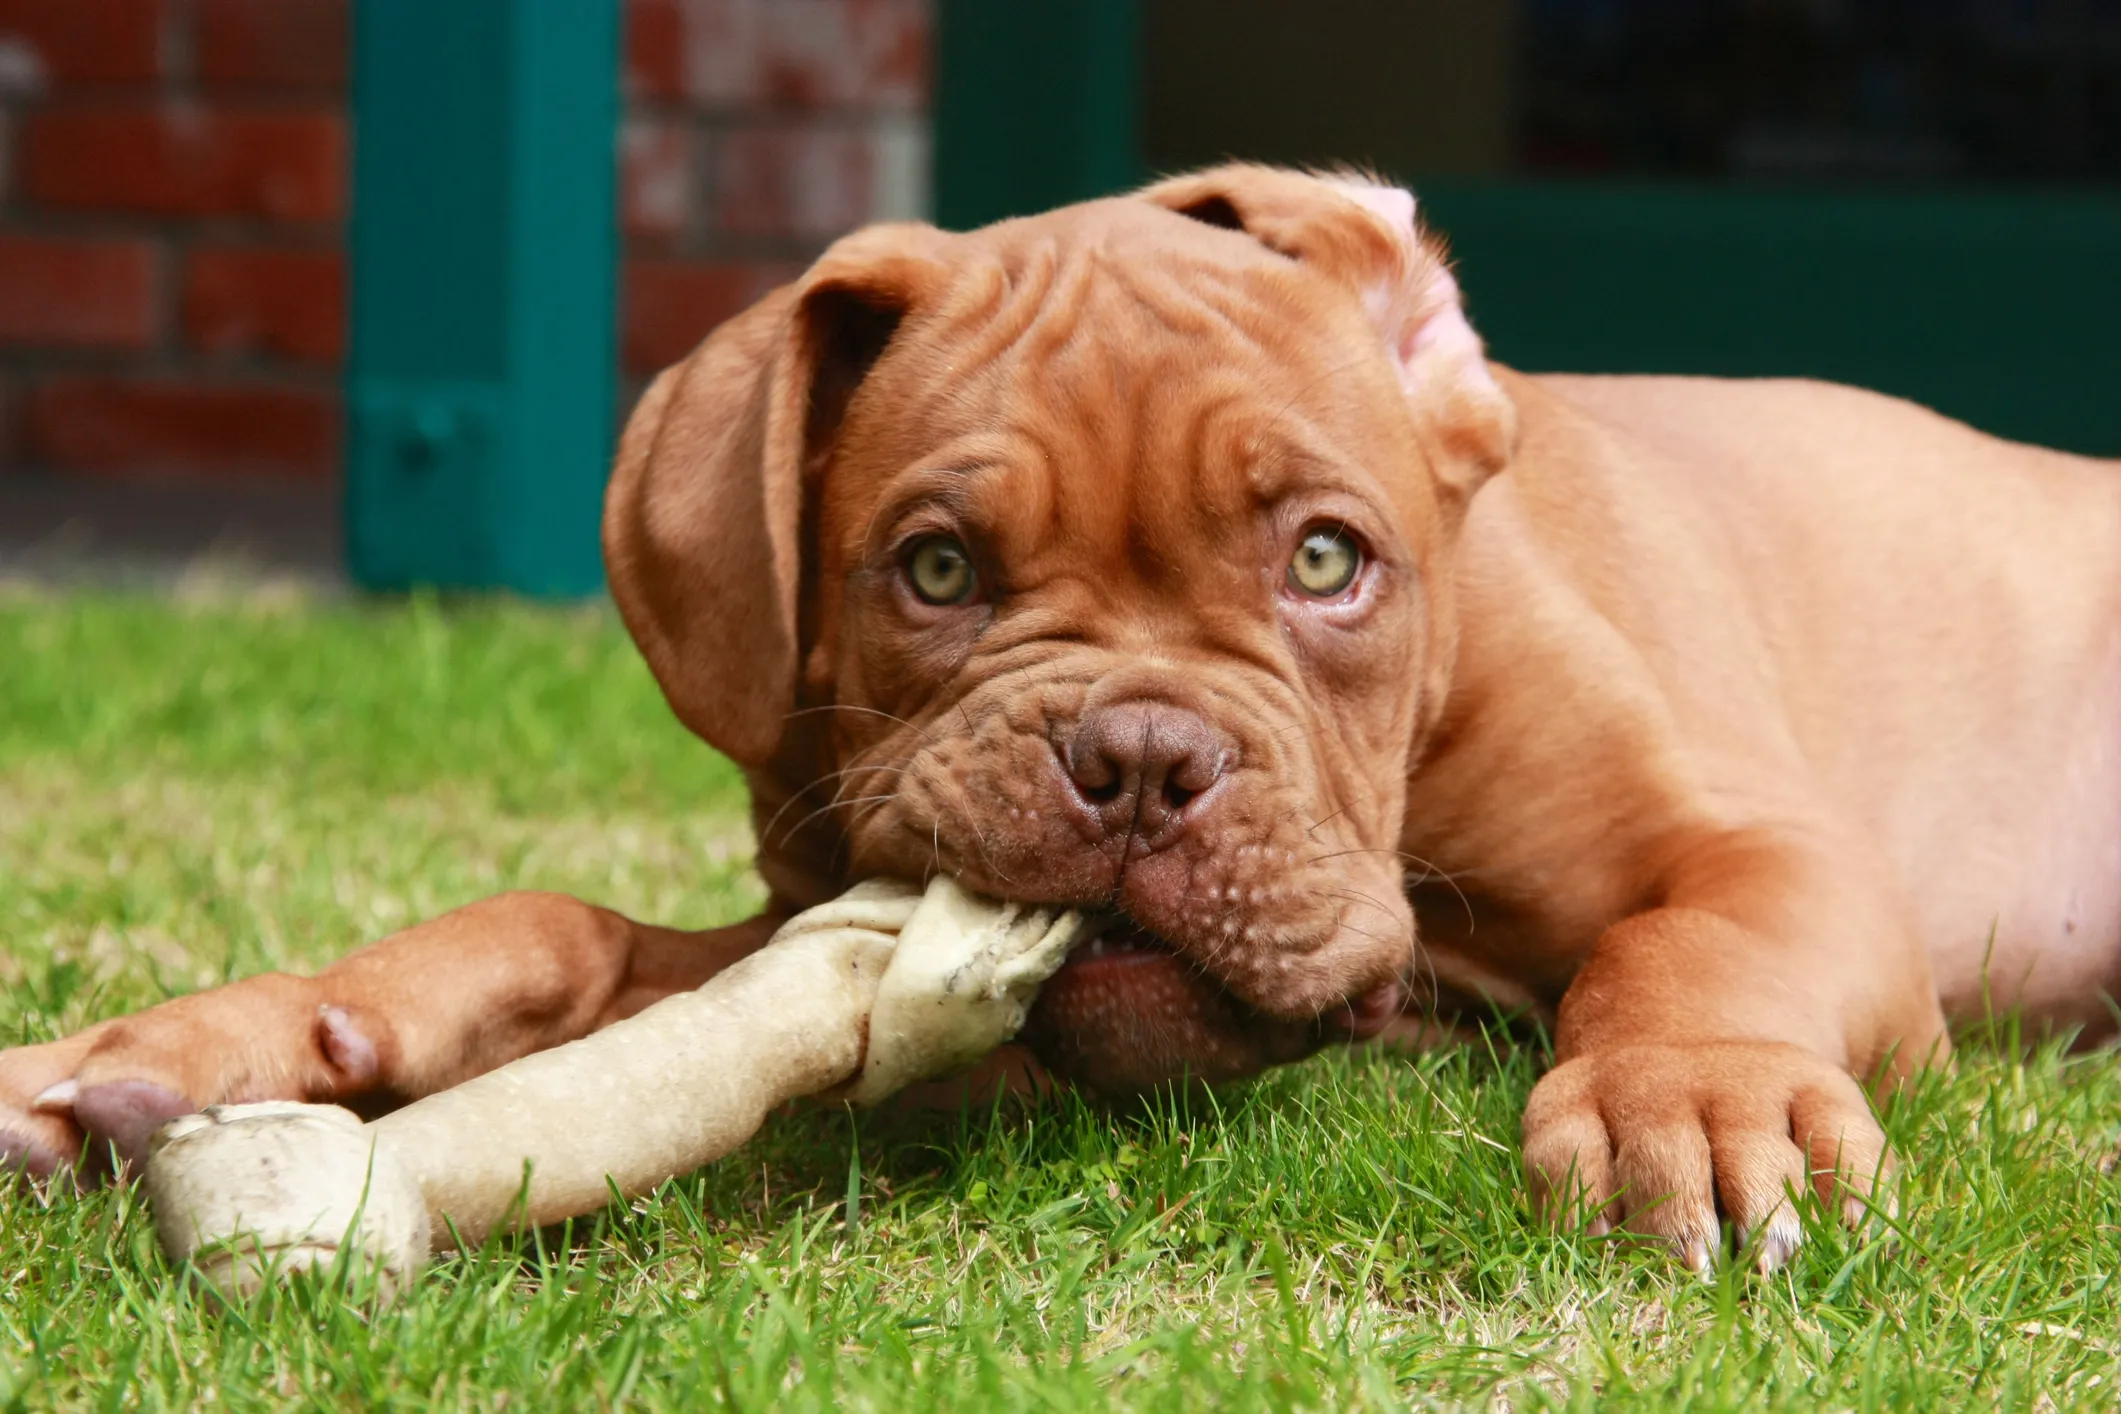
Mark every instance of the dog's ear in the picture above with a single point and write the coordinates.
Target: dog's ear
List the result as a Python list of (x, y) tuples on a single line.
[(703, 521), (1364, 234)]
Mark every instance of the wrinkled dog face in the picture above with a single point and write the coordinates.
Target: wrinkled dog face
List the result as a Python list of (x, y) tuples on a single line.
[(1119, 590), (1113, 553)]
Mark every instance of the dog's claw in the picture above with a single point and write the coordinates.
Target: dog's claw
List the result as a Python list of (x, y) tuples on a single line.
[(57, 1099), (1771, 1249), (1774, 1241), (1869, 1213)]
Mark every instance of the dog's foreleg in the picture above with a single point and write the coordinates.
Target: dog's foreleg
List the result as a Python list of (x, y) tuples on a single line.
[(417, 1012)]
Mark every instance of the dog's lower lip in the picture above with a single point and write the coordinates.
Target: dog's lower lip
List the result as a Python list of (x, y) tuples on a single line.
[(1121, 945), (1369, 1014)]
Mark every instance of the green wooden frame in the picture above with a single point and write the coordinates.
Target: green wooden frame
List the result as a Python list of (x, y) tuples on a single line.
[(480, 379)]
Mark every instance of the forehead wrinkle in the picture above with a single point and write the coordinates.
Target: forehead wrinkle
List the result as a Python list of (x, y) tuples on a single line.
[(1165, 441), (1100, 308), (1239, 377), (1196, 300), (1042, 312), (1179, 493), (1007, 298), (1028, 315)]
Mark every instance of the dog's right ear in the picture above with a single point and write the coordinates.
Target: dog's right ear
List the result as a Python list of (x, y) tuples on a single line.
[(703, 521)]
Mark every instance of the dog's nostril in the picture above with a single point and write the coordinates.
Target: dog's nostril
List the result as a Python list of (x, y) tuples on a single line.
[(1099, 794), (1097, 777)]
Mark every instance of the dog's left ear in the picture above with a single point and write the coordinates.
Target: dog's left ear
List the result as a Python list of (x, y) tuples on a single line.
[(704, 518), (1364, 234)]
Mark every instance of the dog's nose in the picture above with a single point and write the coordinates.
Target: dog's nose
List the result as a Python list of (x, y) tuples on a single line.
[(1137, 765)]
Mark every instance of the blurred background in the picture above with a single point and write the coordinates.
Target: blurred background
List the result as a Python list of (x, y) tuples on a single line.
[(364, 287)]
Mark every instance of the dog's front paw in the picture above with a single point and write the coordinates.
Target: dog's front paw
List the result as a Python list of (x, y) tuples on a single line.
[(1665, 1138), (88, 1103)]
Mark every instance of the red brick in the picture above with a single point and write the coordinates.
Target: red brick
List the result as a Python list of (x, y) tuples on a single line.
[(813, 182), (185, 160), (655, 49), (868, 53), (253, 299), (670, 305), (170, 427), (275, 43), (655, 178), (46, 42), (801, 53), (77, 293)]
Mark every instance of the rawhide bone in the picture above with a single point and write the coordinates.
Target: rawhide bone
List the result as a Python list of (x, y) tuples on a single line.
[(884, 986)]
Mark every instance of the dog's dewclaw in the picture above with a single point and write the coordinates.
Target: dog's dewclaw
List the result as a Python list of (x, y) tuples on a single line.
[(882, 987)]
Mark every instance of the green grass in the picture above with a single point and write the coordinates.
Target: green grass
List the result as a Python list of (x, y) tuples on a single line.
[(188, 793)]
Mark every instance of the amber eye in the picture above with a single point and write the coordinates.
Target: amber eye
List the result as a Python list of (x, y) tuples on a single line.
[(1326, 563), (940, 571)]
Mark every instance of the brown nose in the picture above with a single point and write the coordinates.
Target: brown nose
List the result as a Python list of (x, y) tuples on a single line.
[(1138, 765)]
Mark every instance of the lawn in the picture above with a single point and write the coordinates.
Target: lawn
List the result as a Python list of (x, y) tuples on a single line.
[(189, 792)]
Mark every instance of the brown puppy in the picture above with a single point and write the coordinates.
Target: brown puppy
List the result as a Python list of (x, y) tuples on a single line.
[(1183, 553)]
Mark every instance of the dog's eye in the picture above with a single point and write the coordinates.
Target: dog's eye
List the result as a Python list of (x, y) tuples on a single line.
[(1326, 563), (940, 571)]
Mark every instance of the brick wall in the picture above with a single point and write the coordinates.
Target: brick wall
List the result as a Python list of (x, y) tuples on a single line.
[(173, 193)]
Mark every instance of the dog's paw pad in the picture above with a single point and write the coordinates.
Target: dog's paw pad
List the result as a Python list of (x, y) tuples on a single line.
[(125, 1113), (26, 1156)]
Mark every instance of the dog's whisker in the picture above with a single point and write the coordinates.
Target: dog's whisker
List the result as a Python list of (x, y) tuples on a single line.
[(827, 808), (914, 727), (987, 856), (1401, 853), (1409, 935), (1357, 896), (869, 809), (1318, 824), (1431, 873), (799, 796), (843, 852), (839, 794)]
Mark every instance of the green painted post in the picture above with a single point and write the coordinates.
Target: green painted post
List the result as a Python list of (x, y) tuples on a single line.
[(479, 383), (1036, 105)]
